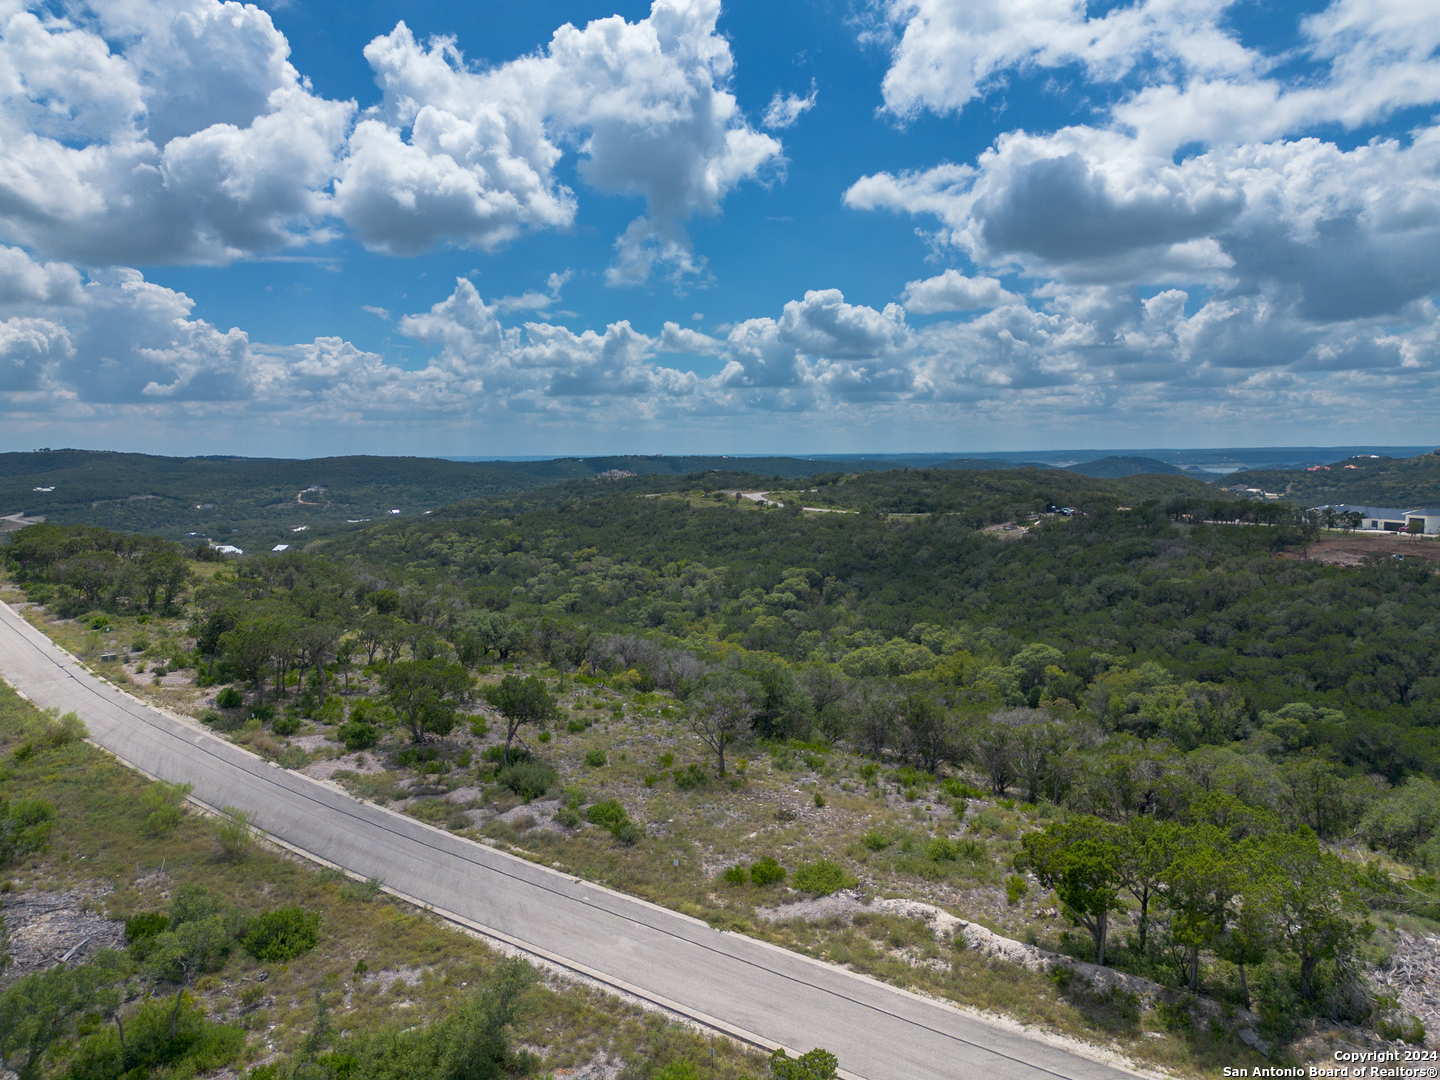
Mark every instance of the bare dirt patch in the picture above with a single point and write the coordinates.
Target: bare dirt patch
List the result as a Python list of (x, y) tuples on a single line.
[(1351, 551), (1008, 531), (361, 763), (48, 928), (1412, 975)]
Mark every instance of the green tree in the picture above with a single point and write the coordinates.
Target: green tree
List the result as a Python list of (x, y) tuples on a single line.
[(722, 712), (476, 1035), (1310, 899), (1405, 819), (520, 701), (1037, 758), (1245, 942), (315, 645), (1144, 849), (42, 1008), (186, 951), (209, 628), (1079, 862), (992, 747), (1314, 794), (163, 573), (479, 633), (929, 730), (426, 694), (1199, 883), (247, 649)]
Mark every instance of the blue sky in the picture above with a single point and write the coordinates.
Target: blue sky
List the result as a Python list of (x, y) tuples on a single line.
[(480, 228)]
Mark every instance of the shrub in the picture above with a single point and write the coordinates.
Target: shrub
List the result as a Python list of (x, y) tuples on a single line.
[(577, 725), (197, 1046), (876, 841), (281, 935), (479, 727), (229, 698), (819, 801), (816, 1065), (767, 871), (942, 849), (285, 726), (679, 1070), (735, 875), (973, 849), (518, 754), (529, 779), (293, 757), (193, 903), (146, 925), (691, 777), (957, 790), (628, 834), (364, 891), (67, 729), (163, 801), (24, 827), (140, 644), (567, 817), (234, 834), (595, 758), (608, 814), (822, 877), (1015, 888), (419, 756), (544, 737), (1411, 1030), (908, 777), (357, 735)]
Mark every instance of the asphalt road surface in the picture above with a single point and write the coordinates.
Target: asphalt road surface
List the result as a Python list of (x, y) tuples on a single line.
[(759, 993)]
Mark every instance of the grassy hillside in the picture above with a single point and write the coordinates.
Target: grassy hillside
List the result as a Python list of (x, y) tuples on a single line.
[(1404, 483)]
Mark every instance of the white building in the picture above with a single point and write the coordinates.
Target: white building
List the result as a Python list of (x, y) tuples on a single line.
[(1390, 519)]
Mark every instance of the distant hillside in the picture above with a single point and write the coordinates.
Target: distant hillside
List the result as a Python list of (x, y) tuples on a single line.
[(980, 464), (1397, 482), (263, 501), (1110, 468)]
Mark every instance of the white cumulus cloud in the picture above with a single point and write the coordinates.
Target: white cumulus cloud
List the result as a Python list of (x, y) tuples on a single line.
[(197, 142), (953, 291), (469, 157), (784, 112)]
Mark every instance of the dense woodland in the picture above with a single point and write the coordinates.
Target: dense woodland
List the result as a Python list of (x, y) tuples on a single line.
[(249, 500), (1205, 717)]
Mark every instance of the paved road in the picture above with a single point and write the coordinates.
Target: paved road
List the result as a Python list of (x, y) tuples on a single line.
[(760, 993)]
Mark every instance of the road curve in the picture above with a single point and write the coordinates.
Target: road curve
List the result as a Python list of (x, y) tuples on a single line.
[(756, 992)]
